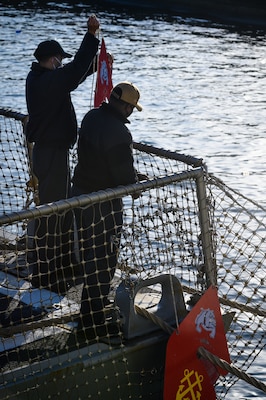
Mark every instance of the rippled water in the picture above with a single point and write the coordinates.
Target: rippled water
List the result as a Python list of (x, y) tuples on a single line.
[(202, 87)]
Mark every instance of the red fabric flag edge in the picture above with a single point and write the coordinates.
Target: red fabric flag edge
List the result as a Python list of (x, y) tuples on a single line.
[(104, 83)]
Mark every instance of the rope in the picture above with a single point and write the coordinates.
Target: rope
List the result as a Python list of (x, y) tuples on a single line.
[(205, 353), (227, 190), (230, 303), (158, 321), (230, 368)]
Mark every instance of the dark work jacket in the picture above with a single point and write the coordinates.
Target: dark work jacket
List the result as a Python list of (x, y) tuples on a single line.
[(105, 157), (52, 119)]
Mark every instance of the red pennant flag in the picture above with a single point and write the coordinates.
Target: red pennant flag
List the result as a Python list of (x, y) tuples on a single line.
[(104, 83), (186, 375)]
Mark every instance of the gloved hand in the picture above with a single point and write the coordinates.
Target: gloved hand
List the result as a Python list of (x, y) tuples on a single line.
[(93, 24)]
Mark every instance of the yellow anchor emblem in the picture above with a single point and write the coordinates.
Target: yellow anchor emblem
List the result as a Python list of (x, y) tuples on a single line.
[(188, 389)]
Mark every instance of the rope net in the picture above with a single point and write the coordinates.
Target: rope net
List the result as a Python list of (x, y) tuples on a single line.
[(75, 275), (239, 226)]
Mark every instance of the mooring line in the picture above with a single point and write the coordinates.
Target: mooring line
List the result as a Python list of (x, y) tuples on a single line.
[(202, 352), (231, 368)]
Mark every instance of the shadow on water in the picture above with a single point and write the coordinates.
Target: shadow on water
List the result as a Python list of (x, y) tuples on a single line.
[(251, 23), (244, 16)]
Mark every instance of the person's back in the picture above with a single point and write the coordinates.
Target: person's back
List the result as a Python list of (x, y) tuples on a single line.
[(105, 157)]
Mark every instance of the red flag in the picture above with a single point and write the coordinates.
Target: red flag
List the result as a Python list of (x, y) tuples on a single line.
[(186, 375), (104, 83)]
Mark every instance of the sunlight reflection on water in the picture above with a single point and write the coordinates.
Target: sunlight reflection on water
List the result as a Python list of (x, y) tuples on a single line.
[(201, 85)]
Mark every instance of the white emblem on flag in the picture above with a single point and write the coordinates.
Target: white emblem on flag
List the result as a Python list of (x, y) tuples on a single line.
[(206, 320), (104, 73)]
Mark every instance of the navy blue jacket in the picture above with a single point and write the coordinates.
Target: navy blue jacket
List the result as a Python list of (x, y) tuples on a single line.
[(105, 157), (52, 119)]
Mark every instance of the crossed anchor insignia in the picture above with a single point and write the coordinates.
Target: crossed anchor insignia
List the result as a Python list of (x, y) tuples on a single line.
[(190, 390)]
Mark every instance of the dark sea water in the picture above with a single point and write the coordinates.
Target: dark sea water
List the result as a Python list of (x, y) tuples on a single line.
[(202, 88)]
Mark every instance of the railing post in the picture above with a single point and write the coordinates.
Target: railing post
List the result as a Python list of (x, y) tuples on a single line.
[(206, 232)]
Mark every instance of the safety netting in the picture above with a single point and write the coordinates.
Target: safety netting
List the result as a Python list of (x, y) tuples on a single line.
[(92, 286)]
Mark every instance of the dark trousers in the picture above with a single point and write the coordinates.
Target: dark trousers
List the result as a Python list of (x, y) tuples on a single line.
[(53, 235), (99, 227), (51, 167)]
